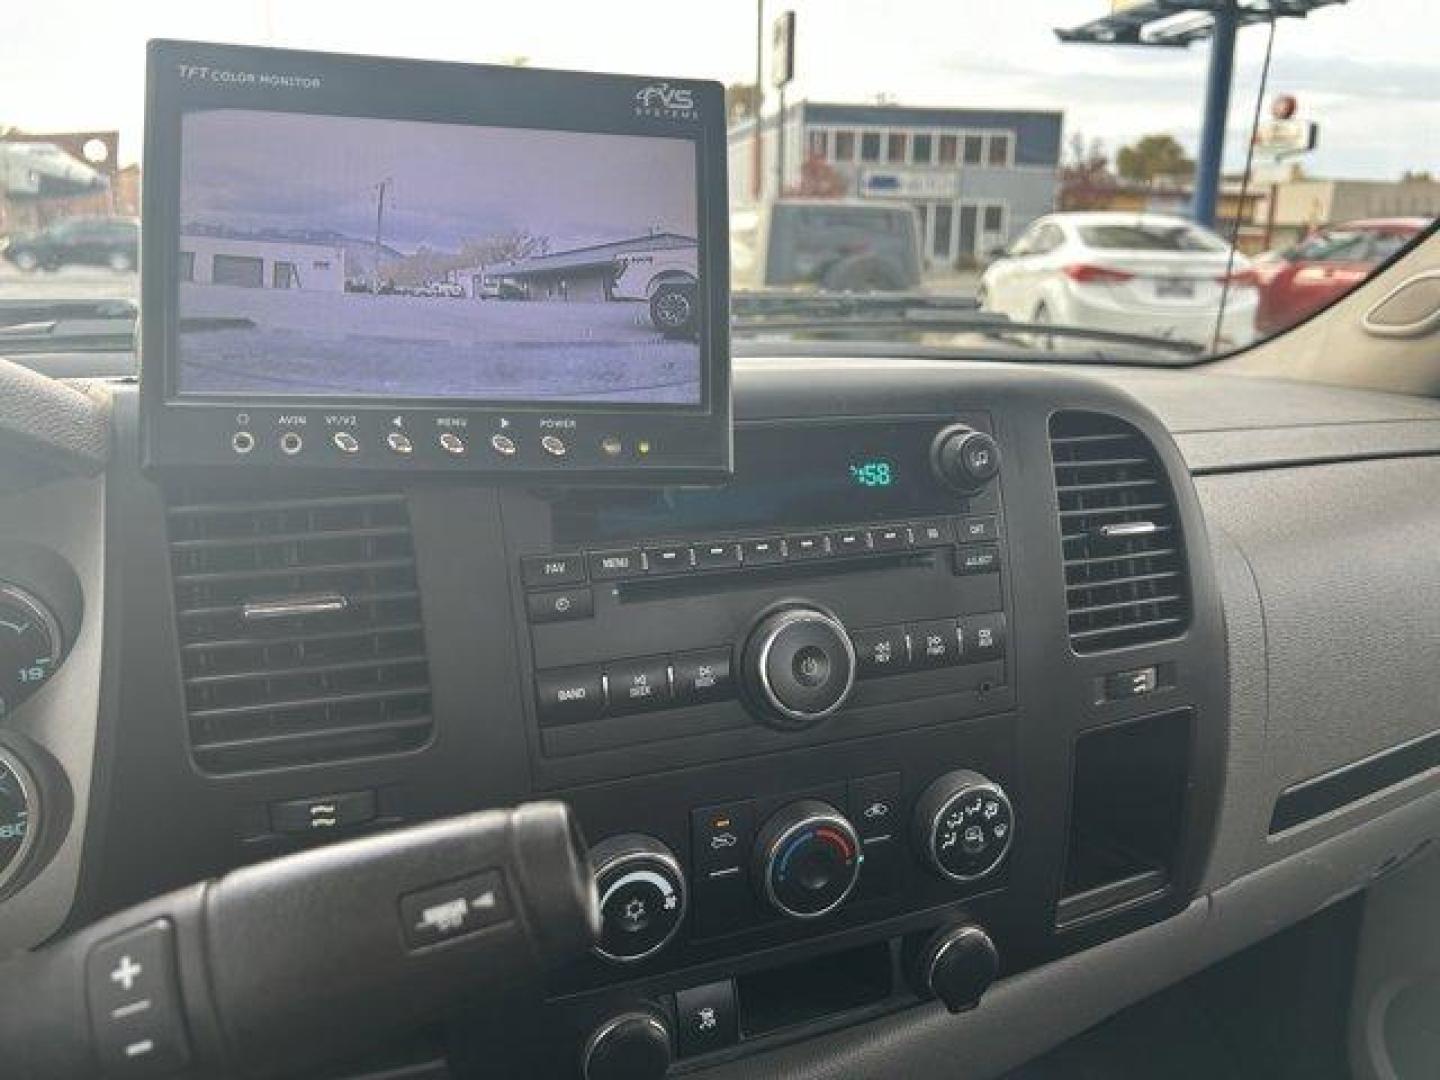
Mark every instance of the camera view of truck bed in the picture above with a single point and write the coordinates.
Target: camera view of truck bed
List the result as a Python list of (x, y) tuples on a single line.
[(359, 257)]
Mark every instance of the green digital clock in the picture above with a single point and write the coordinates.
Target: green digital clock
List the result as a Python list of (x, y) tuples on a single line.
[(873, 473)]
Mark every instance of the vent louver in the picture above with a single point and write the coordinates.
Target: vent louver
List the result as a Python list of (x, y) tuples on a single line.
[(1125, 574), (300, 632)]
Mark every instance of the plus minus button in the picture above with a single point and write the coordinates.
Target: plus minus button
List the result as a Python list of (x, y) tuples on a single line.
[(126, 972)]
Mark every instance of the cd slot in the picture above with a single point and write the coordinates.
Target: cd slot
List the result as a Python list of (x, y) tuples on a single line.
[(648, 590)]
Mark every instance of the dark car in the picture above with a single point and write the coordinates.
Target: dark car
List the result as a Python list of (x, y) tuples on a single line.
[(1324, 267), (107, 241)]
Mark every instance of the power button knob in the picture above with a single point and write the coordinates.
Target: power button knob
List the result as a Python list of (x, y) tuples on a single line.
[(965, 459)]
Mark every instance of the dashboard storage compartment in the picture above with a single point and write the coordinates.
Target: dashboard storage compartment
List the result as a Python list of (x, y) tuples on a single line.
[(814, 989), (1126, 815)]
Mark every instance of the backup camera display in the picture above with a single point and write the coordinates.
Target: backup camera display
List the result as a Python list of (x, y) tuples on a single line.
[(340, 257)]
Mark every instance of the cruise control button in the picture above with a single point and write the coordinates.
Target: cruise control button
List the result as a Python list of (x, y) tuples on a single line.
[(570, 695), (668, 560), (638, 685), (719, 556), (454, 909), (560, 605), (702, 676), (609, 565), (552, 569), (977, 530), (983, 559), (760, 552), (135, 1010), (891, 537), (935, 643), (884, 650), (984, 637)]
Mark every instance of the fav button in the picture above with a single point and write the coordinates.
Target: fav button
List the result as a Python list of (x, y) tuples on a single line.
[(638, 685), (552, 569)]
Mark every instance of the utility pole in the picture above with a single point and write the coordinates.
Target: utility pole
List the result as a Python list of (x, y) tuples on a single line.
[(379, 227), (757, 143)]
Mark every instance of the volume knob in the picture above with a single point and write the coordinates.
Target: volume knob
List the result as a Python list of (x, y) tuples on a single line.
[(799, 665)]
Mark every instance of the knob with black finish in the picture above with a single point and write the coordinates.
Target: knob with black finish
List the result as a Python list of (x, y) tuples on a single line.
[(799, 666), (642, 896), (630, 1046), (965, 459), (807, 859), (957, 965), (964, 825)]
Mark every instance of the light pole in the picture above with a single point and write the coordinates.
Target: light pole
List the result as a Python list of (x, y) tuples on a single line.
[(379, 226)]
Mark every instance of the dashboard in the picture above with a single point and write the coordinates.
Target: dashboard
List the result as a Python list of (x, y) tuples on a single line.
[(974, 672)]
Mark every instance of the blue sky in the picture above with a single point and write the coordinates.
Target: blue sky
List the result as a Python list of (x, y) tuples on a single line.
[(1366, 70)]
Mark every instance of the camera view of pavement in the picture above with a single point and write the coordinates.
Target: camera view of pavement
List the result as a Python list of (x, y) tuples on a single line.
[(361, 344)]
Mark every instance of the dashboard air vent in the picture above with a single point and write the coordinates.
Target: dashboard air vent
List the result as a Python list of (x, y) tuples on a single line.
[(1125, 573), (300, 632)]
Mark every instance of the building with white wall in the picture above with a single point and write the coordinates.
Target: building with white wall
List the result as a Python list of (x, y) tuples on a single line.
[(262, 264)]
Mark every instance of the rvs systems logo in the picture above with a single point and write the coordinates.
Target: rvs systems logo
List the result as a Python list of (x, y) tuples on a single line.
[(665, 102)]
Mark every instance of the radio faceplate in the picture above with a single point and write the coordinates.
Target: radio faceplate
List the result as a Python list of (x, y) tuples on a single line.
[(641, 641)]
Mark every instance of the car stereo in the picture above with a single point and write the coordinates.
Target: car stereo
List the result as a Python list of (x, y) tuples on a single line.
[(360, 263)]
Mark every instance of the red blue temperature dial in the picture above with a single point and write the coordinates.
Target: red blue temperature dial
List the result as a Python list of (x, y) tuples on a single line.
[(808, 859)]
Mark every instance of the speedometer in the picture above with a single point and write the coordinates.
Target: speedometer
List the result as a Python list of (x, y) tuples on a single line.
[(30, 645)]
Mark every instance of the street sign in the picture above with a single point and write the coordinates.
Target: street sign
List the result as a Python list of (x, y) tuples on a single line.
[(782, 50), (1286, 136)]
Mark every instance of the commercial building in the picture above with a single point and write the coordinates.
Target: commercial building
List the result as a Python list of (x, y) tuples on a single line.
[(1299, 205), (583, 273), (262, 264), (976, 177)]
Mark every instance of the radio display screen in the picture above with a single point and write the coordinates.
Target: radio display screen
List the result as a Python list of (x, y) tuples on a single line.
[(795, 475), (345, 257)]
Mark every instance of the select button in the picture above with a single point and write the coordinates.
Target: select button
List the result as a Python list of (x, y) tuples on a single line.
[(638, 685)]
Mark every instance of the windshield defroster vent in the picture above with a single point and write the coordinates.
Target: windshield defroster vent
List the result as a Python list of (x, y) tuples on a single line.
[(300, 632), (1125, 575)]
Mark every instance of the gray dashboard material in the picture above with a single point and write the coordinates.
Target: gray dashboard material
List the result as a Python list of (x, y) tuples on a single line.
[(50, 428)]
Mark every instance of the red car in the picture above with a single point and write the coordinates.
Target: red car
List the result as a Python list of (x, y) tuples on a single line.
[(1323, 267)]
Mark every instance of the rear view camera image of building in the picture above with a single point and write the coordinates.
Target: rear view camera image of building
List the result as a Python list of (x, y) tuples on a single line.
[(343, 257)]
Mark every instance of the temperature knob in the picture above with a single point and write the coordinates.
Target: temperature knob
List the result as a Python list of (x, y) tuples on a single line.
[(807, 858), (965, 825), (642, 896)]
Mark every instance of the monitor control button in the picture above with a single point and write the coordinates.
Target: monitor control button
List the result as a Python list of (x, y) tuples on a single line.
[(503, 445), (345, 442), (242, 442), (400, 443), (452, 443), (291, 443), (554, 446)]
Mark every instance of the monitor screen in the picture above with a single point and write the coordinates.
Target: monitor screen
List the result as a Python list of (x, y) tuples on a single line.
[(343, 257)]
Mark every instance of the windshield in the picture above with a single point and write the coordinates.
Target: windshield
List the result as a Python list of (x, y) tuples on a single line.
[(1042, 176)]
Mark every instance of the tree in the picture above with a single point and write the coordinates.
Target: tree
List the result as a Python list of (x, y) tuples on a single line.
[(740, 101), (819, 180), (1417, 176), (1152, 157), (1086, 181)]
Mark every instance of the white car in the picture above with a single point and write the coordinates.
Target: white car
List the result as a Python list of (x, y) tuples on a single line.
[(1150, 274)]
